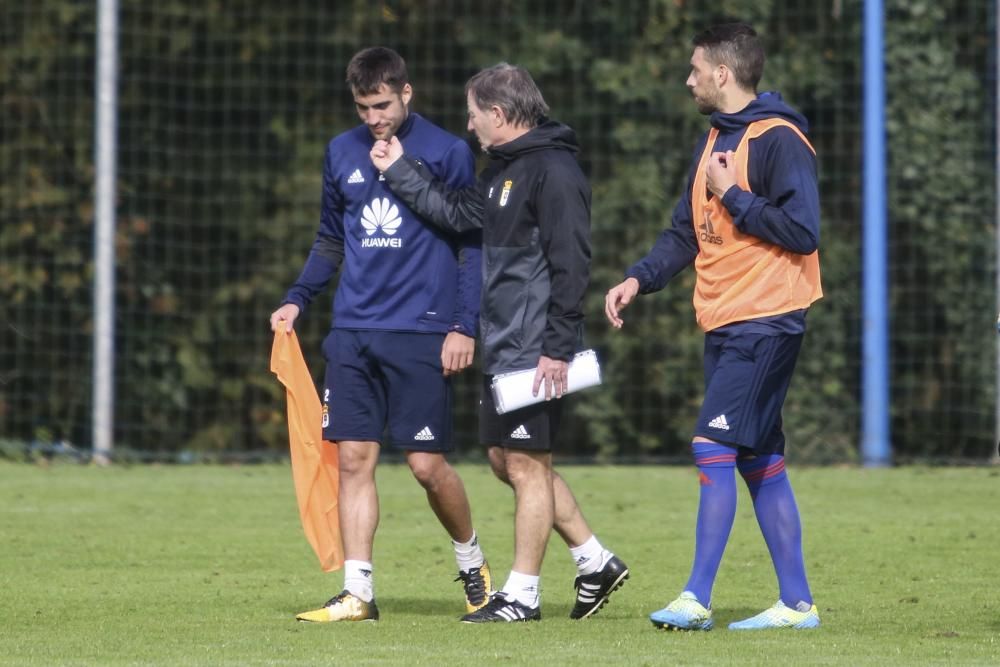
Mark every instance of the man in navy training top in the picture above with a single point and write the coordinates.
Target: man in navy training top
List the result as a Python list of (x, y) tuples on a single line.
[(404, 319), (749, 221)]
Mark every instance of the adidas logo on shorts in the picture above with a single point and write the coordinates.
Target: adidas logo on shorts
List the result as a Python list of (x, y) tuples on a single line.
[(520, 433), (719, 423), (424, 434)]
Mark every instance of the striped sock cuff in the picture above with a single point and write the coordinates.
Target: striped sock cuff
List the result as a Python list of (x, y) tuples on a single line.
[(762, 470), (713, 455)]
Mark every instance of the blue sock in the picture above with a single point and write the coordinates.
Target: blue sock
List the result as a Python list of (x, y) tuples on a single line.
[(778, 517), (716, 511)]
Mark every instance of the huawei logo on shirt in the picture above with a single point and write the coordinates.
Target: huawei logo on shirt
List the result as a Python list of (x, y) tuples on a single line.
[(381, 215)]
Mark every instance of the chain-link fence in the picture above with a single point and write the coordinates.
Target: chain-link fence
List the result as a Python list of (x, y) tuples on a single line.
[(224, 112)]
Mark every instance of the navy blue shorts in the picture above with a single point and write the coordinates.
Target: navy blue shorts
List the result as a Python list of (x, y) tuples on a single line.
[(533, 427), (746, 381), (387, 383)]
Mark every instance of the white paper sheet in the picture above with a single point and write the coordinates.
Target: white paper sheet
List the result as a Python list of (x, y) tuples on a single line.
[(513, 390)]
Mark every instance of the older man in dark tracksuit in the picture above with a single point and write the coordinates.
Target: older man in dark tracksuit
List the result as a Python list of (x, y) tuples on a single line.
[(533, 205)]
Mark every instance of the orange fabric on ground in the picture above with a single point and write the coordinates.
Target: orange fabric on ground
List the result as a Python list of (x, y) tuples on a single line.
[(314, 460)]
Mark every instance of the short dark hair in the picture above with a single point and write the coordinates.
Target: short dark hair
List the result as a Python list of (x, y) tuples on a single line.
[(737, 46), (513, 90), (371, 67)]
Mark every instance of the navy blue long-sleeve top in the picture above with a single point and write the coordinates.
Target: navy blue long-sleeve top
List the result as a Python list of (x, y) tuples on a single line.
[(399, 274)]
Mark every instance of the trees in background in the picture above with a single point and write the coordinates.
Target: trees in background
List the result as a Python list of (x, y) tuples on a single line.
[(224, 116)]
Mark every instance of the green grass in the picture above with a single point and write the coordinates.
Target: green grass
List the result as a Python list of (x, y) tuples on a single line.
[(208, 565)]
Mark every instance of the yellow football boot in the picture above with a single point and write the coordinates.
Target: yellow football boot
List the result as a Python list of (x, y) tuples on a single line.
[(342, 607), (478, 584)]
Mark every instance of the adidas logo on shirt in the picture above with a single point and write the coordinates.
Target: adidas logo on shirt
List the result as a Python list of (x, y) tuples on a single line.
[(356, 177), (719, 423), (708, 234), (520, 433), (425, 434)]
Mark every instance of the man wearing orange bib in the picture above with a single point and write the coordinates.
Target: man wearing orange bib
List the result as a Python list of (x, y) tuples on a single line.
[(749, 221)]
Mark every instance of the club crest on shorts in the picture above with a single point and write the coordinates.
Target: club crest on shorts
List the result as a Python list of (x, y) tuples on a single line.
[(326, 408)]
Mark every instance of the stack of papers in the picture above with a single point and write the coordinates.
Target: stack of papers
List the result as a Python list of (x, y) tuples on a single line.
[(513, 390)]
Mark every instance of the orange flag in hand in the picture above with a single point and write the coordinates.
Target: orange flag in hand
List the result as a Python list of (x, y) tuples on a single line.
[(314, 460)]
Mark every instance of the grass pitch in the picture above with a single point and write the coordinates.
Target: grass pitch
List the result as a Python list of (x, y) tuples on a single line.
[(207, 565)]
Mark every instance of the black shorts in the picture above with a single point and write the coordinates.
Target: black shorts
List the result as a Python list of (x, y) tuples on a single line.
[(533, 427), (378, 381)]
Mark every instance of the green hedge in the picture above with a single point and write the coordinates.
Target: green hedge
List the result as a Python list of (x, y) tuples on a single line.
[(224, 116)]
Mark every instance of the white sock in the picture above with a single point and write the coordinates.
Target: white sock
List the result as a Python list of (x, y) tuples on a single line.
[(524, 588), (590, 556), (468, 554), (358, 580)]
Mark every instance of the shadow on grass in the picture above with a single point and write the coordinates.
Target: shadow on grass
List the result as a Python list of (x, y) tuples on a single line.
[(723, 617), (421, 606), (398, 606)]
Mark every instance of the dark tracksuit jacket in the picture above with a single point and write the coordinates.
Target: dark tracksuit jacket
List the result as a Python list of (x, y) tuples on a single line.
[(533, 204)]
